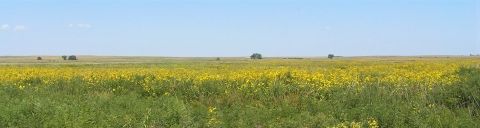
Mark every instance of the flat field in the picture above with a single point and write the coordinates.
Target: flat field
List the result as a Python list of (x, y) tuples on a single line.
[(110, 91)]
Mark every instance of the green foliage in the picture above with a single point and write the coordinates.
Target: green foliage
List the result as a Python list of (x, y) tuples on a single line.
[(73, 103), (256, 56), (64, 57), (72, 57), (330, 56), (218, 58), (39, 58), (464, 95)]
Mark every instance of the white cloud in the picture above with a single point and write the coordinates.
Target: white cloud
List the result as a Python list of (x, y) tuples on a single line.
[(19, 28), (328, 27), (70, 25), (5, 27), (83, 25)]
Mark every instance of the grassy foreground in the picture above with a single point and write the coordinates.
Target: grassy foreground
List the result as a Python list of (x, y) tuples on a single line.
[(242, 94)]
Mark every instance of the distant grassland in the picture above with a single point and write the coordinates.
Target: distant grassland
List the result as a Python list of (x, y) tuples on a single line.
[(133, 59), (102, 91)]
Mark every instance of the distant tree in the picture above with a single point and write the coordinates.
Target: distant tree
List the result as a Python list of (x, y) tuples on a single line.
[(39, 58), (72, 57), (256, 56), (218, 58), (64, 57), (259, 56), (330, 56)]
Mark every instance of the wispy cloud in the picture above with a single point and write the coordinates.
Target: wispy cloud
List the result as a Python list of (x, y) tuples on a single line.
[(5, 27), (328, 27), (83, 25), (70, 25), (19, 27)]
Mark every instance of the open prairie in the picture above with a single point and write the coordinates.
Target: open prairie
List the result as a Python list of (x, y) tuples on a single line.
[(141, 59), (118, 91)]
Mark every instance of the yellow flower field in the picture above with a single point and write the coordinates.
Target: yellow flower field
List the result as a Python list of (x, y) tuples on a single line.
[(254, 93), (261, 74)]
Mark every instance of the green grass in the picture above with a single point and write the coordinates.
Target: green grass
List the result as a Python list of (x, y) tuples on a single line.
[(391, 107), (75, 104)]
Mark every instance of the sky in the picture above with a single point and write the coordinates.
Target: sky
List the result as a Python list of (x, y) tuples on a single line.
[(221, 28)]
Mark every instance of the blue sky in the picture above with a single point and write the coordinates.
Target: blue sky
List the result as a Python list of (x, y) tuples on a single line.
[(198, 28)]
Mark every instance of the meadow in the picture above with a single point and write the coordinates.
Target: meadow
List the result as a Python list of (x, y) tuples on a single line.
[(237, 92)]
